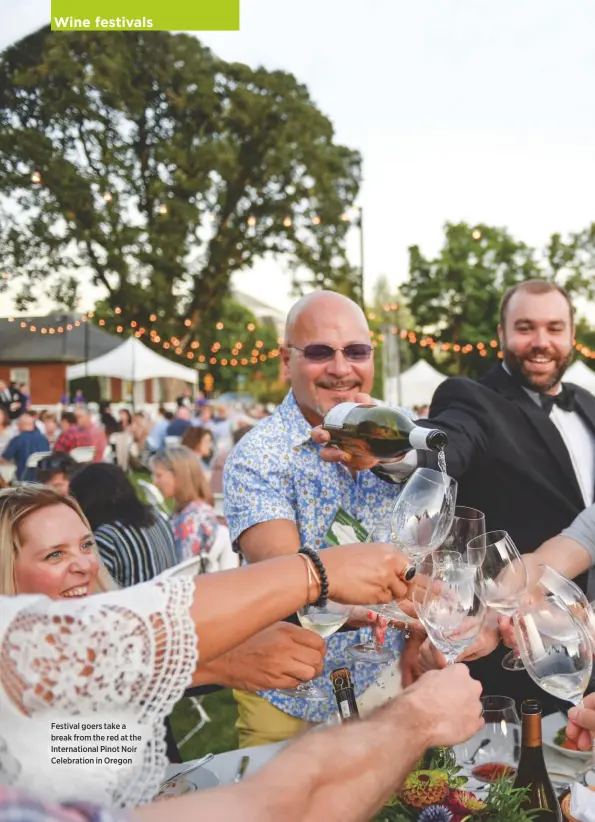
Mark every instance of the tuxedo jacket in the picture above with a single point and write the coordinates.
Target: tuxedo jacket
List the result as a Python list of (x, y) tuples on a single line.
[(511, 463)]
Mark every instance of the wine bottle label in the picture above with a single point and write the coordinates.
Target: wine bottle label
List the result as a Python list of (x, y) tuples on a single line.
[(336, 416), (345, 709)]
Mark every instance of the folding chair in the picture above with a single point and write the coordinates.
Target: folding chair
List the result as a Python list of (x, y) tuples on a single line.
[(84, 453)]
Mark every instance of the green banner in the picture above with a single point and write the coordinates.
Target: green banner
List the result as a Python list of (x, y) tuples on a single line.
[(145, 15)]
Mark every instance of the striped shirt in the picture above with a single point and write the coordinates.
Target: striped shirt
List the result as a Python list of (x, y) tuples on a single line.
[(134, 555)]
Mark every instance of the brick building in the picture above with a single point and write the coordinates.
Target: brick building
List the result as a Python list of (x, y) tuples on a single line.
[(37, 350)]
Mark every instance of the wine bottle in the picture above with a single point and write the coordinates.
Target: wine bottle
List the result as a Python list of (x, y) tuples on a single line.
[(344, 694), (532, 773), (378, 431)]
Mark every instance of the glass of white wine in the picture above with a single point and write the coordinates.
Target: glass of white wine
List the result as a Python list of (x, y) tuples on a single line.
[(503, 580), (450, 608), (554, 648), (325, 621)]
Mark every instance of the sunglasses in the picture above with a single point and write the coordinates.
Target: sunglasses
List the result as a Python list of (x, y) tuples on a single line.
[(318, 352)]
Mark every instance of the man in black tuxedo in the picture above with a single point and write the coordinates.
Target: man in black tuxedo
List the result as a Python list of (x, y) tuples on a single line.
[(521, 443)]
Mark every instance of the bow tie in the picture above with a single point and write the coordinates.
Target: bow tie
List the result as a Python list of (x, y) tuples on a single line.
[(565, 400)]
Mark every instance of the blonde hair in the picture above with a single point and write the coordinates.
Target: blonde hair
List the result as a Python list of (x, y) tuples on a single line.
[(191, 481), (16, 504)]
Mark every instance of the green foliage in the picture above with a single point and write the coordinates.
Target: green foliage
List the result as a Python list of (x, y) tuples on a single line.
[(164, 170), (503, 803), (455, 296)]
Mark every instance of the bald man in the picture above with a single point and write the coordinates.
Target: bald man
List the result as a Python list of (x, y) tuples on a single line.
[(279, 494)]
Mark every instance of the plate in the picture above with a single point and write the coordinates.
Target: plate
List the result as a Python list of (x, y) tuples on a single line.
[(550, 726)]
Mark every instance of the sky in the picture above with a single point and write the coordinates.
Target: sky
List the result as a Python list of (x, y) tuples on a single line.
[(462, 109)]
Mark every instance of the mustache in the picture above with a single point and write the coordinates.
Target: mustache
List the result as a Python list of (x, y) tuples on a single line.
[(333, 385)]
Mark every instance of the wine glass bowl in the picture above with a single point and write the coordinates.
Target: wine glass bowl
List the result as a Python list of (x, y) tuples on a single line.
[(493, 752), (571, 595), (324, 620), (467, 524), (423, 513), (503, 580), (554, 648), (449, 607)]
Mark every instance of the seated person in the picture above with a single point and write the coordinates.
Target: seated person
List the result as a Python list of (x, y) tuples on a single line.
[(200, 441), (28, 441), (178, 475), (72, 435), (135, 541), (55, 471)]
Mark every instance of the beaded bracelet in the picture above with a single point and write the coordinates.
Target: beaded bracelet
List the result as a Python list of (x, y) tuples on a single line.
[(313, 555)]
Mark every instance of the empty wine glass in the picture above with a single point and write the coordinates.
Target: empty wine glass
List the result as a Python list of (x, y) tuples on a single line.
[(421, 519), (450, 607), (554, 648), (503, 580), (324, 620), (372, 651), (571, 595), (467, 524)]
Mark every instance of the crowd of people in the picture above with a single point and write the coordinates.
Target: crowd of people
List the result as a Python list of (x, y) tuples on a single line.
[(117, 633)]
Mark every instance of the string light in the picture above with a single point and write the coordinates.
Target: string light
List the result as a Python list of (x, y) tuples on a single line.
[(287, 222), (107, 197), (316, 220), (162, 209), (36, 177), (251, 221), (476, 234)]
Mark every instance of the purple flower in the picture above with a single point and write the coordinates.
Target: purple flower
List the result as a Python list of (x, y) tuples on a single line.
[(435, 813)]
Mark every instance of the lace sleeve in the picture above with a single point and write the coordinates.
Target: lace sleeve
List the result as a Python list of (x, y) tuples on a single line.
[(131, 651)]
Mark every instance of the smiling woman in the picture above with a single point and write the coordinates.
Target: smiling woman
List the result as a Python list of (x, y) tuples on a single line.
[(46, 546)]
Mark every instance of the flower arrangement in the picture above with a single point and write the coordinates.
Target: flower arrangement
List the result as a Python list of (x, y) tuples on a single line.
[(434, 792)]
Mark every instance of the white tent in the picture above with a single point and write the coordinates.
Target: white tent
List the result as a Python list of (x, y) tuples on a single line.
[(581, 374), (417, 385), (134, 362)]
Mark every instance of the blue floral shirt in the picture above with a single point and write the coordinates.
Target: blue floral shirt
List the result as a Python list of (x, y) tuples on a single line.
[(275, 472)]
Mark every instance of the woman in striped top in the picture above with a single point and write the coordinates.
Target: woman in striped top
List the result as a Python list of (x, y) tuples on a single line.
[(136, 542)]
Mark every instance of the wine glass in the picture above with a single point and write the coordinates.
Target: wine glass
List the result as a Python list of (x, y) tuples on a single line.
[(503, 581), (421, 519), (372, 651), (554, 647), (450, 607), (571, 595), (467, 524), (324, 620), (493, 752)]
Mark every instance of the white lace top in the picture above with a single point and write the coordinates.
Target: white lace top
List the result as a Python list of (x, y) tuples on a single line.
[(123, 657)]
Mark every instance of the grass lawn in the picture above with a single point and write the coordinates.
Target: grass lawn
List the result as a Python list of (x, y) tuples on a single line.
[(216, 736)]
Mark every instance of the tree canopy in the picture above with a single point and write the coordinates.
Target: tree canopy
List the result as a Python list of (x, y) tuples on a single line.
[(455, 296), (161, 170)]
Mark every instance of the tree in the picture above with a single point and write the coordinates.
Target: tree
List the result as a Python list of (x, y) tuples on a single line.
[(242, 353), (455, 297), (162, 170)]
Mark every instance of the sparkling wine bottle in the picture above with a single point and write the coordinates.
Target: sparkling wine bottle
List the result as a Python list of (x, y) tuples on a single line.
[(532, 773), (344, 694), (378, 431)]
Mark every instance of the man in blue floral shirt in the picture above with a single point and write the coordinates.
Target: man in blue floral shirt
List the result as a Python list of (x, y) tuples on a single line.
[(280, 495)]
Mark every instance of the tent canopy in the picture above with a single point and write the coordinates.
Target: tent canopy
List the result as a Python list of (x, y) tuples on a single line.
[(581, 374), (418, 384), (132, 361)]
